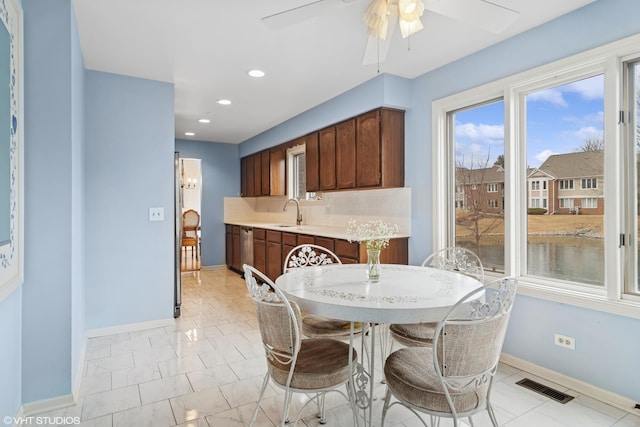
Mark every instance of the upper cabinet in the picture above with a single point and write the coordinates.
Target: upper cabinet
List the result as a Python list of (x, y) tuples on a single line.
[(327, 158), (312, 156), (380, 148), (366, 151), (346, 154)]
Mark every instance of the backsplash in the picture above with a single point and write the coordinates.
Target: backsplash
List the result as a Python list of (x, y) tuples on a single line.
[(392, 205)]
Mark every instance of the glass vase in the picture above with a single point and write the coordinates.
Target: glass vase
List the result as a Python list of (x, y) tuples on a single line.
[(373, 265)]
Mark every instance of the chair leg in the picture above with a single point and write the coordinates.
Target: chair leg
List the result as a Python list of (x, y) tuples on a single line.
[(287, 404), (471, 421), (492, 415), (323, 419), (385, 407), (255, 411), (351, 392)]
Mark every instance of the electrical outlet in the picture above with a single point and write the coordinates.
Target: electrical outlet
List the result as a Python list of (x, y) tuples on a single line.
[(156, 214), (564, 341)]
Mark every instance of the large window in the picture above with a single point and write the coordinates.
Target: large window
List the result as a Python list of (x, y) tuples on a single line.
[(564, 137), (479, 165), (566, 141)]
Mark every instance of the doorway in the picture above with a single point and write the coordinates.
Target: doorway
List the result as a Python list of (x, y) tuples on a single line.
[(191, 186)]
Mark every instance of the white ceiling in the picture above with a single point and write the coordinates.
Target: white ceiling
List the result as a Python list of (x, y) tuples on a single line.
[(206, 47)]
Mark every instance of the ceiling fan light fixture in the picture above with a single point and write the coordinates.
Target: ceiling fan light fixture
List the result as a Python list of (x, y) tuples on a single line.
[(409, 13), (377, 18)]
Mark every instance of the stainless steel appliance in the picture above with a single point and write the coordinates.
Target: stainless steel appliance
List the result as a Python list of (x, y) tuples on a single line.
[(246, 246), (177, 202)]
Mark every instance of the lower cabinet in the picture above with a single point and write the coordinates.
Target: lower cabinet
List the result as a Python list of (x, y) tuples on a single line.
[(232, 245), (271, 247)]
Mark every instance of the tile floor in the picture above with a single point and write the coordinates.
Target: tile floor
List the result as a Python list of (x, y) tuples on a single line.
[(206, 371)]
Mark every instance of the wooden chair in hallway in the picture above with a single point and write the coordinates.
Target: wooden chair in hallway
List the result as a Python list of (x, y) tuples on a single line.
[(190, 237)]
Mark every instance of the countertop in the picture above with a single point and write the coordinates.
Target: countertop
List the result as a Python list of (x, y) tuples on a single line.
[(315, 230)]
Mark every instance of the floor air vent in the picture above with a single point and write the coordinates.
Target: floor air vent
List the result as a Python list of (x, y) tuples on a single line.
[(556, 395)]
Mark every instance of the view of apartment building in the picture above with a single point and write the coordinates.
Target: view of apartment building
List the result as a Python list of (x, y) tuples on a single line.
[(570, 183)]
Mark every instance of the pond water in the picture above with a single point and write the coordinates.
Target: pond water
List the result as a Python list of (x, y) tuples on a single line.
[(575, 259)]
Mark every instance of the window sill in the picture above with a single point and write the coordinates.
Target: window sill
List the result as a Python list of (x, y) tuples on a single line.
[(593, 301)]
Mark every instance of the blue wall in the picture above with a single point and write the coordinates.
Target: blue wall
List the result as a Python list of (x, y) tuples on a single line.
[(129, 169), (220, 178), (52, 161), (529, 337), (11, 355)]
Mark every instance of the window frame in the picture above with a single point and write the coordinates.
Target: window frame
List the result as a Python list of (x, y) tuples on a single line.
[(608, 60)]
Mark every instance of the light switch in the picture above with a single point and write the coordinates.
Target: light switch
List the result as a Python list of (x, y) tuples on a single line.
[(156, 214)]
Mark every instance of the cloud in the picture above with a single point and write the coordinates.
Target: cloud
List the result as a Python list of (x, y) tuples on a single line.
[(588, 132), (553, 96), (588, 89), (543, 155), (480, 132), (591, 88)]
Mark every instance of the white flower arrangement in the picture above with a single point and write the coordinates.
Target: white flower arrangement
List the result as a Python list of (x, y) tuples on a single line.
[(375, 233)]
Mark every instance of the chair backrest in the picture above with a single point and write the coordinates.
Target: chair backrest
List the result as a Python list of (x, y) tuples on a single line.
[(190, 223), (468, 341), (308, 255), (459, 259), (279, 319)]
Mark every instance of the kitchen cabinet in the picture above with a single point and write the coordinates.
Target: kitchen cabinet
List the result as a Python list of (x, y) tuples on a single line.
[(274, 254), (278, 172), (327, 158), (380, 148), (366, 151), (259, 249), (265, 173), (257, 174), (346, 155), (232, 245), (312, 161), (271, 247)]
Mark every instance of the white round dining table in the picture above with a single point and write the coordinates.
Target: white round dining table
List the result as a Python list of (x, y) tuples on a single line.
[(404, 293)]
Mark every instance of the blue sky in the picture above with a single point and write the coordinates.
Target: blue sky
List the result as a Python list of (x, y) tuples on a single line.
[(559, 120)]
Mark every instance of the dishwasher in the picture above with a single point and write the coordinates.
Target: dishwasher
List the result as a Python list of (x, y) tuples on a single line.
[(246, 246)]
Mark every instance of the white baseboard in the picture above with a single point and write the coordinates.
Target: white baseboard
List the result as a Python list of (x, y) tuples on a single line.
[(46, 405), (77, 381), (18, 416), (213, 267), (130, 327), (608, 397)]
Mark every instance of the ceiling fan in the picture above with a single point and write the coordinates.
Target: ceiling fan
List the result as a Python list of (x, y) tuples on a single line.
[(383, 15)]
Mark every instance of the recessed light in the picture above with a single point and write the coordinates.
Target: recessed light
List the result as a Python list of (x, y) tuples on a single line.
[(204, 121), (256, 73), (190, 134), (223, 102)]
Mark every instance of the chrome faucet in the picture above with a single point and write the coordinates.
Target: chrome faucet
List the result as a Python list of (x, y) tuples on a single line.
[(298, 214)]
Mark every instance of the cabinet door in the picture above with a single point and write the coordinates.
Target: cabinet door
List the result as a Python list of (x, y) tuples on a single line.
[(243, 176), (327, 160), (235, 257), (228, 246), (259, 254), (265, 189), (257, 174), (368, 152), (312, 158), (278, 172), (250, 181), (274, 260), (346, 154), (326, 242)]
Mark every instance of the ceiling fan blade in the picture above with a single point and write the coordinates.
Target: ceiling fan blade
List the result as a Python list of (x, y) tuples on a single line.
[(376, 50), (487, 15), (300, 13)]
